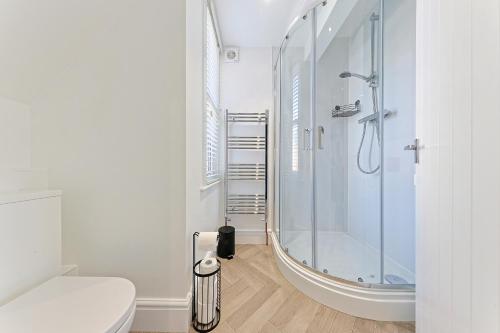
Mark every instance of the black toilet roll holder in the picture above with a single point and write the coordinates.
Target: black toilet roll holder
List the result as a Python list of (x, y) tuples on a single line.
[(205, 286)]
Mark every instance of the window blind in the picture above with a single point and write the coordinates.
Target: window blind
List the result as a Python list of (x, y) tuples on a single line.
[(295, 118), (212, 111)]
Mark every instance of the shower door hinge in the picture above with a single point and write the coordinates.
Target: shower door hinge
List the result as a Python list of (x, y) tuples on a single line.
[(416, 149)]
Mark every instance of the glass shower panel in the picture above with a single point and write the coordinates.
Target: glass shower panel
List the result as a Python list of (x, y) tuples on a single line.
[(276, 137), (296, 143), (399, 131), (347, 172)]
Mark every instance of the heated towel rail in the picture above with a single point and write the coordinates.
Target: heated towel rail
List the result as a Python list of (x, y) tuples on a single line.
[(240, 203)]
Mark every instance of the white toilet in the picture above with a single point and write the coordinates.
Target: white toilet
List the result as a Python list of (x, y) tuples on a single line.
[(34, 297)]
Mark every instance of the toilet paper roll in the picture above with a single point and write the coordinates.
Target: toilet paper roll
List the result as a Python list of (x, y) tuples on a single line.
[(211, 254), (205, 313), (207, 289), (207, 298), (207, 241), (208, 265)]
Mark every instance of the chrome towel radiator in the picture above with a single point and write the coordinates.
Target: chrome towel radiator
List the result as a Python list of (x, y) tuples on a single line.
[(244, 203)]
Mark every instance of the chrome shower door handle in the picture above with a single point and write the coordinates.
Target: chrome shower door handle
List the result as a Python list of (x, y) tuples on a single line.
[(307, 139), (321, 133), (416, 148)]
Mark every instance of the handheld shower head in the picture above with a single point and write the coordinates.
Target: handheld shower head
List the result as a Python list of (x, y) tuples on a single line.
[(345, 75)]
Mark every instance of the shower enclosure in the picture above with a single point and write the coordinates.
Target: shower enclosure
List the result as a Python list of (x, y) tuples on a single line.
[(345, 126)]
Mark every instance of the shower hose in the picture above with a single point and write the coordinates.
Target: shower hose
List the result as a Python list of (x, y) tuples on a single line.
[(375, 129)]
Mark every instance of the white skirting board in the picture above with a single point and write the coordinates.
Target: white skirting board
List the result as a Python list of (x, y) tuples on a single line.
[(162, 314), (250, 236), (376, 304)]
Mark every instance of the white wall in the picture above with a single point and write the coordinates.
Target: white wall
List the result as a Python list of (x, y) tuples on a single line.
[(16, 172), (110, 126), (458, 183), (246, 86), (15, 134)]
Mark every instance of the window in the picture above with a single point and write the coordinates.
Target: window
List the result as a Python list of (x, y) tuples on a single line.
[(295, 125), (212, 111)]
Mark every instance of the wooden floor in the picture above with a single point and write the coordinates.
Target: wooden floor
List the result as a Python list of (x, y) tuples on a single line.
[(257, 298)]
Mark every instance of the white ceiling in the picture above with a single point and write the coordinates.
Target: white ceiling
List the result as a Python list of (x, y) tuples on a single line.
[(256, 23)]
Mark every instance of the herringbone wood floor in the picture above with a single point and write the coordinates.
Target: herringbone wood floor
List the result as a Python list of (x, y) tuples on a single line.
[(257, 298)]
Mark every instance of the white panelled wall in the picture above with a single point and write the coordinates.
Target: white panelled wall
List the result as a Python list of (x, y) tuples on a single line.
[(458, 180), (246, 86)]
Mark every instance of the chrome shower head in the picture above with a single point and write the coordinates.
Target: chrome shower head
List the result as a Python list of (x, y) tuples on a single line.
[(345, 75)]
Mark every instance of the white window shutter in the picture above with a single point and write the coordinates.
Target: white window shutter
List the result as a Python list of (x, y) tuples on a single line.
[(212, 111), (295, 119)]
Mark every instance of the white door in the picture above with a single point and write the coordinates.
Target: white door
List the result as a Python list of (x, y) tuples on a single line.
[(458, 178)]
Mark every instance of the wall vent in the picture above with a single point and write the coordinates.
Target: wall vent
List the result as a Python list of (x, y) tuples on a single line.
[(231, 54)]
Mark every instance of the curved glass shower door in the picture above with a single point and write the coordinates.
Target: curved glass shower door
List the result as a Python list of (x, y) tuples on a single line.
[(296, 137), (347, 164), (346, 112)]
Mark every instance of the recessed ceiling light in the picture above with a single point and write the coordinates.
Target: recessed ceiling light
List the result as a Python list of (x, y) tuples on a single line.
[(329, 29)]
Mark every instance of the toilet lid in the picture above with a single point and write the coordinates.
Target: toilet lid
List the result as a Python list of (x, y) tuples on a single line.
[(71, 304)]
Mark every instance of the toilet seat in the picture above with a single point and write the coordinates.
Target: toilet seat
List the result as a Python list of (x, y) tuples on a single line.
[(67, 304)]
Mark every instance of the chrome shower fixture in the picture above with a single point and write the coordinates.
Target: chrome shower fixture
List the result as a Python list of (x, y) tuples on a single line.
[(345, 75), (372, 79), (373, 119)]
